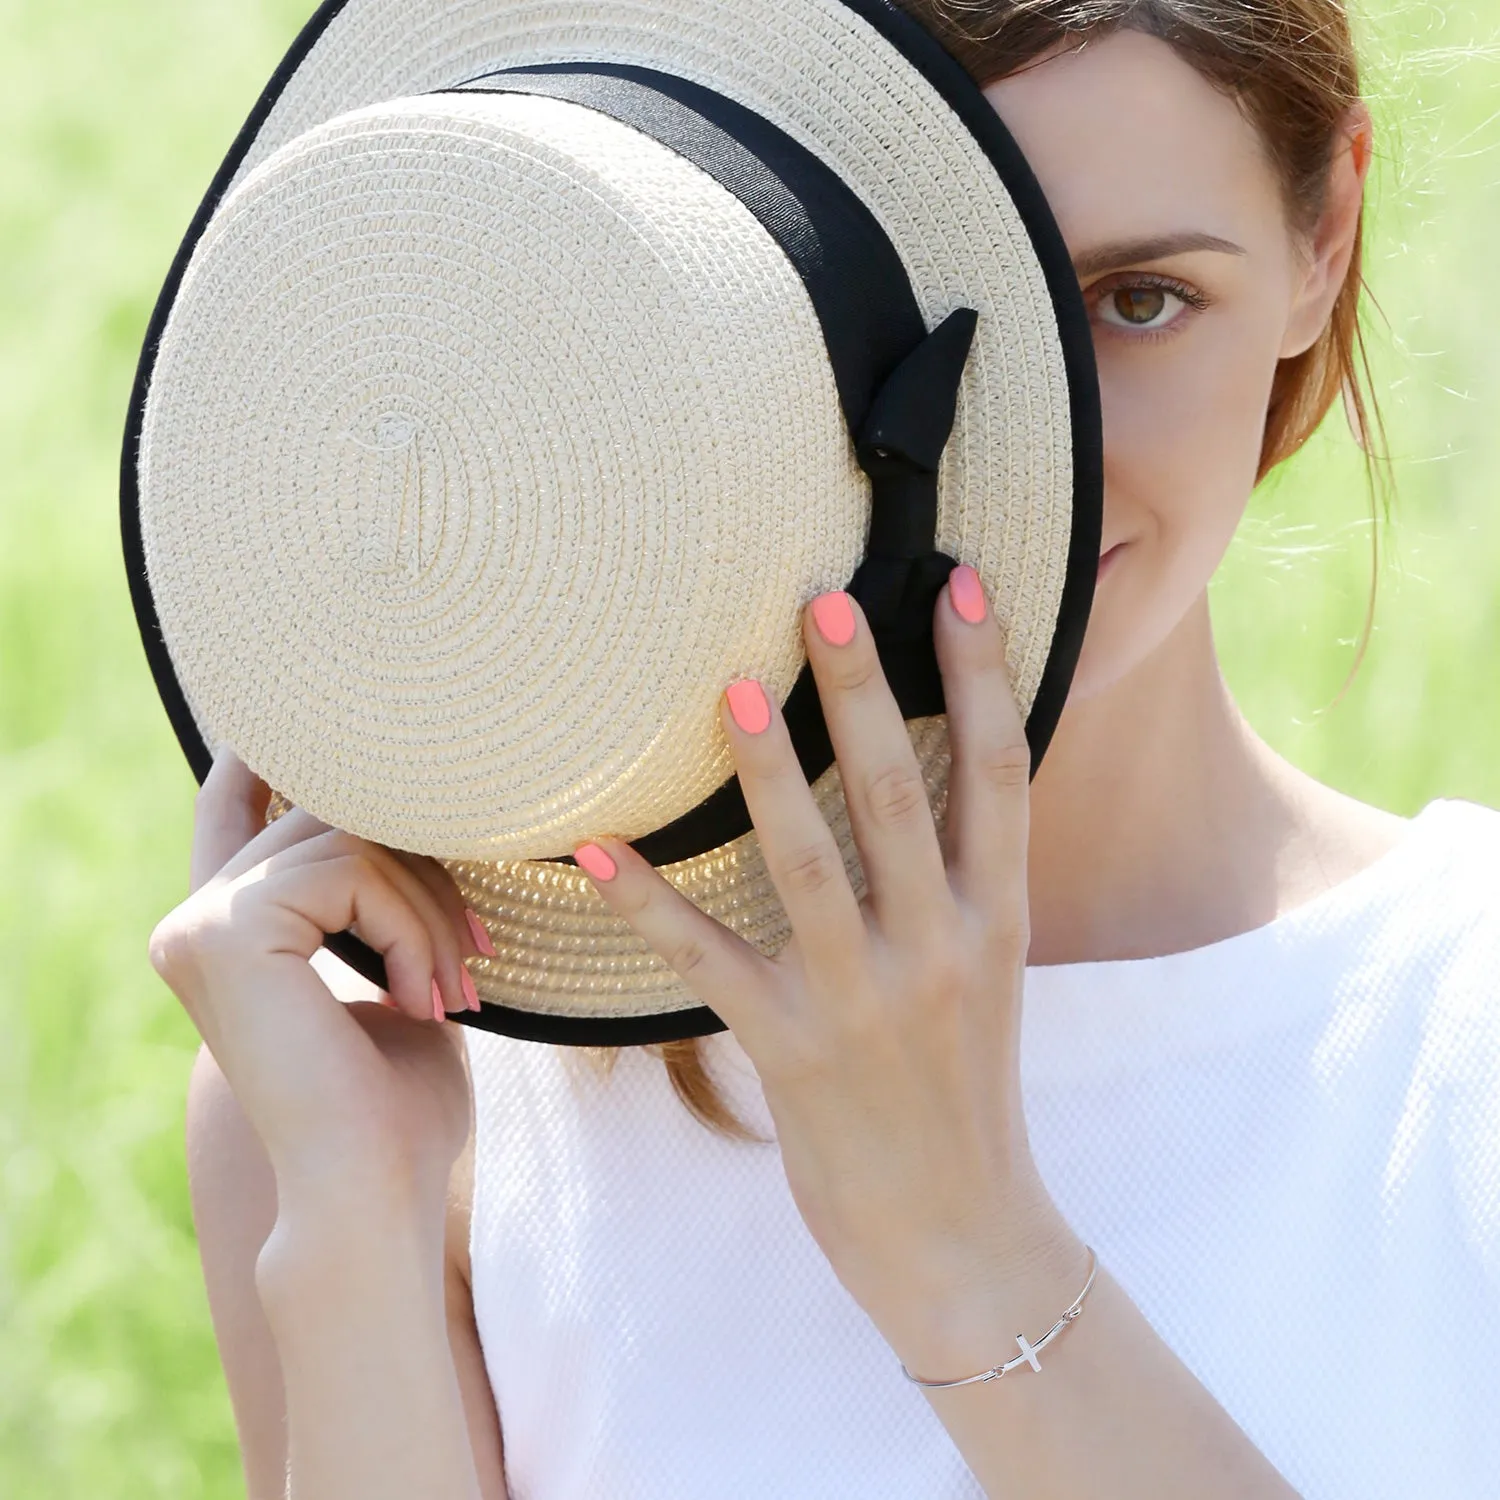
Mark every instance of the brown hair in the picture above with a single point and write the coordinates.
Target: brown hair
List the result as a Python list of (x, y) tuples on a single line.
[(1291, 66)]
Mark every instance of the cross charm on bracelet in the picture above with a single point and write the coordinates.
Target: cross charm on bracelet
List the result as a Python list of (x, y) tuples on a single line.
[(1029, 1351)]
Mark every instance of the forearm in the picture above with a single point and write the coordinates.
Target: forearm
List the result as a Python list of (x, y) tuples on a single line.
[(1113, 1410), (354, 1297)]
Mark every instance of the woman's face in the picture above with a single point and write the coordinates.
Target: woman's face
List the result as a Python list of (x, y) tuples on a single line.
[(1194, 287)]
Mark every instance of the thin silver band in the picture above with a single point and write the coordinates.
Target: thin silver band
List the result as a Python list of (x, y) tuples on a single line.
[(1029, 1351)]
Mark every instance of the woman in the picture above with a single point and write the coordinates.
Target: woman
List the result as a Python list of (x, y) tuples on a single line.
[(1239, 985)]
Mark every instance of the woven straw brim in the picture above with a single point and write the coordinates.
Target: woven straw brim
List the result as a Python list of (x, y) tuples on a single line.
[(561, 952), (828, 78)]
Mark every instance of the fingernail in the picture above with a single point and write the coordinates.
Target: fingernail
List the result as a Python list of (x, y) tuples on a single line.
[(967, 593), (438, 1013), (592, 858), (481, 937), (470, 993), (748, 706), (834, 616)]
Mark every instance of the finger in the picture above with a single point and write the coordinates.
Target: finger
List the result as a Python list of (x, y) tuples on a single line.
[(889, 812), (724, 971), (989, 787), (448, 930), (356, 891), (298, 827), (228, 811), (801, 855), (291, 828), (440, 882)]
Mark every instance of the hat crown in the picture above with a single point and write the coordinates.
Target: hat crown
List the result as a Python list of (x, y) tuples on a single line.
[(547, 452), (893, 119)]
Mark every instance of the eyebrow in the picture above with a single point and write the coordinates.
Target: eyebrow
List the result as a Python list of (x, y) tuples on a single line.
[(1153, 247)]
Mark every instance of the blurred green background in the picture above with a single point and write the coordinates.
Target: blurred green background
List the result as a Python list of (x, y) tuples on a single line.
[(114, 115)]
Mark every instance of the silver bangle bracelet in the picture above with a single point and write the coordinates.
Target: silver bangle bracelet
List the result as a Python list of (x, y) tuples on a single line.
[(1029, 1351)]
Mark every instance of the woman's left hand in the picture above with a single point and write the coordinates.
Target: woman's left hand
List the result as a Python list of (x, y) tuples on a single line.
[(886, 1032)]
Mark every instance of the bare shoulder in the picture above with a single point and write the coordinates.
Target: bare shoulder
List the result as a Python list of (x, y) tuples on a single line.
[(1340, 837)]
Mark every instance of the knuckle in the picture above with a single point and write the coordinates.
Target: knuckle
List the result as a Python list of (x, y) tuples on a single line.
[(944, 946), (357, 863), (634, 900), (855, 1028), (1011, 935), (896, 795), (801, 1058), (183, 943), (416, 939), (948, 980), (773, 766), (856, 671), (811, 870), (688, 957), (341, 844), (166, 945), (1006, 767)]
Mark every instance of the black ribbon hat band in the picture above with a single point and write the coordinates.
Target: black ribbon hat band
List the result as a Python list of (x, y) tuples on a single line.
[(897, 383)]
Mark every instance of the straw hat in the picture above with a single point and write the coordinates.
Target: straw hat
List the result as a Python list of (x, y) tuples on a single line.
[(526, 369)]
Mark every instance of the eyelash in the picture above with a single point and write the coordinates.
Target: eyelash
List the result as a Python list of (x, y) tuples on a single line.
[(1189, 295)]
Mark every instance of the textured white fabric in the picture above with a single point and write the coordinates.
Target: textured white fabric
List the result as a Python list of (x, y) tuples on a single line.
[(1285, 1146)]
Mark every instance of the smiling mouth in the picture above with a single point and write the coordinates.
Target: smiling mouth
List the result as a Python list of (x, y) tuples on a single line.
[(1108, 558)]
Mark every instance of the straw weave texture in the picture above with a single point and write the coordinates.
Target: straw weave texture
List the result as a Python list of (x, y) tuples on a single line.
[(823, 75), (561, 951), (508, 438), (360, 445)]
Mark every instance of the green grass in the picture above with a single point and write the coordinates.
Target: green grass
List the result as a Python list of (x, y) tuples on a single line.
[(113, 117)]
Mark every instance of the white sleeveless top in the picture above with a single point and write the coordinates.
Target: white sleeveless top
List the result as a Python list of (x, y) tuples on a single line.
[(1285, 1146)]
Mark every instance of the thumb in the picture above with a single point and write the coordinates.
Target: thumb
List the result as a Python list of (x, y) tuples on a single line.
[(229, 811)]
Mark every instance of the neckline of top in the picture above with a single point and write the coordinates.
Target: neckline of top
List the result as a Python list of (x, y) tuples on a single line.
[(1116, 1017), (1354, 890), (1085, 1021)]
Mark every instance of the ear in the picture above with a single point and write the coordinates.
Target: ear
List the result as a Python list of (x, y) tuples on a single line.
[(1332, 243)]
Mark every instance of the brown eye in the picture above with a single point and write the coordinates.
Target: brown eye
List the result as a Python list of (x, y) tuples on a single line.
[(1146, 306), (1140, 305)]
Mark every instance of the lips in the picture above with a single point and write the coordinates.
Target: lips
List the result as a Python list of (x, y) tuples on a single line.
[(1108, 559)]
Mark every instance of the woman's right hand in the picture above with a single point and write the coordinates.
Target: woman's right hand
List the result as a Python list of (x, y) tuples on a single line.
[(355, 1098)]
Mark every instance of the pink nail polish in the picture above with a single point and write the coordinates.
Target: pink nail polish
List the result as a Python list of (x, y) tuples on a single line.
[(481, 937), (438, 1013), (595, 861), (748, 706), (967, 593), (471, 995), (833, 614)]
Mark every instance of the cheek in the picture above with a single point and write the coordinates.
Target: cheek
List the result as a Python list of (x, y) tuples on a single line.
[(1183, 422)]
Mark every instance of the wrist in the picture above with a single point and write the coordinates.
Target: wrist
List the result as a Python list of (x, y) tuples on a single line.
[(346, 1244), (357, 1312), (352, 1180), (969, 1322)]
